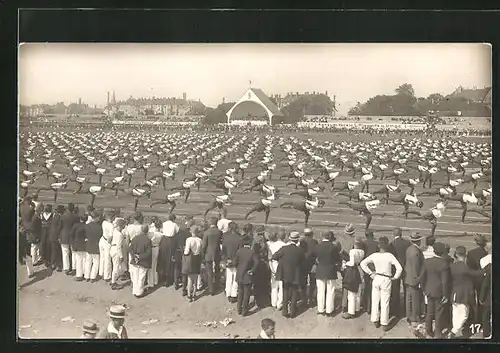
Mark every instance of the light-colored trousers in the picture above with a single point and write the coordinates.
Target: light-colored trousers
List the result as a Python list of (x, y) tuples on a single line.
[(73, 259), (79, 257), (381, 297), (118, 264), (276, 293), (152, 273), (459, 315), (354, 301), (104, 259), (35, 253), (29, 265), (66, 253), (199, 282), (231, 285), (326, 295), (138, 277), (91, 266)]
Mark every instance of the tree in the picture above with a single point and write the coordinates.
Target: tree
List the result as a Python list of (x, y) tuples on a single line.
[(405, 89), (217, 115)]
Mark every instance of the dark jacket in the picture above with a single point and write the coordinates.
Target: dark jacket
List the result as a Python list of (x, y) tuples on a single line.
[(35, 235), (398, 249), (78, 236), (327, 260), (370, 246), (259, 246), (27, 212), (485, 289), (93, 233), (290, 263), (141, 245), (231, 242), (474, 257), (55, 227), (68, 219), (436, 278), (180, 242), (351, 278), (245, 260), (212, 239), (462, 279), (413, 265), (46, 222), (309, 245)]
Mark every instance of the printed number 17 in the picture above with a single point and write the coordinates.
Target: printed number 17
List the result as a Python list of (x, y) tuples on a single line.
[(475, 328)]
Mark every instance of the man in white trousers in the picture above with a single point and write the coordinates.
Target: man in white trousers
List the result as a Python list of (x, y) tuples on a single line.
[(118, 252), (105, 264), (327, 258), (382, 279), (276, 242), (231, 242), (140, 251), (93, 233)]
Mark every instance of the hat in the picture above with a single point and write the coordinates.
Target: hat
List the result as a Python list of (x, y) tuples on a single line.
[(480, 239), (415, 236), (117, 312), (90, 327), (349, 229), (460, 251), (439, 248), (308, 231), (294, 236)]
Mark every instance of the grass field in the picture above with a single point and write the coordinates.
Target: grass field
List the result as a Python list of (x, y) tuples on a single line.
[(36, 296)]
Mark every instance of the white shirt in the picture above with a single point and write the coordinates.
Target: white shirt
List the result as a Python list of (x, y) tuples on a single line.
[(107, 230), (169, 228), (155, 235), (429, 252), (193, 244), (223, 225), (274, 246), (132, 230), (383, 263), (117, 243)]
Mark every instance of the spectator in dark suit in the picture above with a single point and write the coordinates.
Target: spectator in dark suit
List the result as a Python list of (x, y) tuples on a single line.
[(398, 248), (436, 284), (327, 259), (55, 247), (212, 239), (262, 275), (246, 262), (485, 301), (180, 280), (68, 219), (77, 240), (231, 242), (290, 263), (473, 262), (462, 293), (308, 243), (370, 246), (414, 264), (46, 217)]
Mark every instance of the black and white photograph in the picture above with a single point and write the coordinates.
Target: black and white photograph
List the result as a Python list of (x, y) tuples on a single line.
[(251, 191)]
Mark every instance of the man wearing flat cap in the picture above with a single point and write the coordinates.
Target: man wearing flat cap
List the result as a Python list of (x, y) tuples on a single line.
[(115, 329), (290, 264), (462, 293), (436, 284), (413, 268)]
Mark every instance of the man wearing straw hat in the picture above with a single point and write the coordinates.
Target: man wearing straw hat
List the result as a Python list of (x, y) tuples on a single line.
[(413, 268), (115, 329), (89, 330)]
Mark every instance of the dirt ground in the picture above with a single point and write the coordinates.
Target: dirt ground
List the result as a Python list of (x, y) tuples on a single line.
[(48, 298)]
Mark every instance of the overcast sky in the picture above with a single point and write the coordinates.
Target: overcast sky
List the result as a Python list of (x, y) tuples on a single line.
[(49, 73)]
